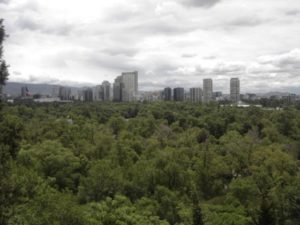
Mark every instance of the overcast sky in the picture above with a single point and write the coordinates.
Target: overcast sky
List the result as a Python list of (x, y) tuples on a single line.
[(171, 43)]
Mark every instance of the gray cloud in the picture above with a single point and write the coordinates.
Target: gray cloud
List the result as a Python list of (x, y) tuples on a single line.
[(167, 26), (36, 24), (200, 3), (4, 1), (127, 51), (100, 60), (247, 21), (224, 69), (168, 43), (188, 55), (288, 63), (293, 12), (17, 73)]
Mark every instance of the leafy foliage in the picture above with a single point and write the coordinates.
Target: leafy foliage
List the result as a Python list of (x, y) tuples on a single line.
[(140, 163)]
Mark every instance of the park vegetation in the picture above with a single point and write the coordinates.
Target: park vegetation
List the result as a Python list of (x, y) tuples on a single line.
[(148, 163)]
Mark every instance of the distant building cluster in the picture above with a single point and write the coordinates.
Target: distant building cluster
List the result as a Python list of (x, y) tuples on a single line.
[(125, 89), (204, 94)]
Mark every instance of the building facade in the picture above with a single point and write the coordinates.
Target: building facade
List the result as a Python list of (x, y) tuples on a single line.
[(87, 95), (167, 94), (129, 86), (207, 90), (235, 90), (178, 94), (64, 93), (106, 90), (98, 93), (196, 94), (117, 89)]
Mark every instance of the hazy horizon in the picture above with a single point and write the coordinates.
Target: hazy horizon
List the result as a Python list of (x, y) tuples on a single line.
[(170, 43)]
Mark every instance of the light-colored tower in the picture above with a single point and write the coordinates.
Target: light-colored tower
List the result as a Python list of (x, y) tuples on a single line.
[(130, 86), (207, 90), (196, 94), (235, 90)]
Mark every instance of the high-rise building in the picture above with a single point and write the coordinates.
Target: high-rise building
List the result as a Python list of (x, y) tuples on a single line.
[(235, 90), (291, 98), (207, 90), (87, 95), (167, 94), (98, 93), (196, 94), (117, 89), (64, 93), (178, 94), (23, 91), (130, 86), (1, 92), (106, 90)]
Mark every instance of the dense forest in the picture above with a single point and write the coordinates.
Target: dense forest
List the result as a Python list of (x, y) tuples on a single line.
[(148, 163)]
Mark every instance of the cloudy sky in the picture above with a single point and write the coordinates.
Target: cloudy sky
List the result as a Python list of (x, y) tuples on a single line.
[(171, 43)]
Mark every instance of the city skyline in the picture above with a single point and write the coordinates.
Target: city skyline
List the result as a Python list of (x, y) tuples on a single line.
[(170, 43), (126, 89)]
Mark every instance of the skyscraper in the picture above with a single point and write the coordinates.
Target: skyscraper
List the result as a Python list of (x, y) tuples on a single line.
[(196, 94), (106, 90), (167, 94), (117, 89), (64, 93), (98, 93), (87, 95), (235, 90), (207, 90), (178, 94), (25, 91), (130, 86)]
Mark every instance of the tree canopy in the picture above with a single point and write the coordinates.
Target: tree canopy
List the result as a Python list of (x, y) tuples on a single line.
[(149, 163)]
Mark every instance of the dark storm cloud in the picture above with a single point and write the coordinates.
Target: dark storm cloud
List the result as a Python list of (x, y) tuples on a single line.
[(200, 3)]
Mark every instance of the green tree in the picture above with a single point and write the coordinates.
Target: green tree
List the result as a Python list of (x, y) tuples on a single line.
[(5, 183), (54, 162), (119, 211), (102, 181), (3, 67)]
